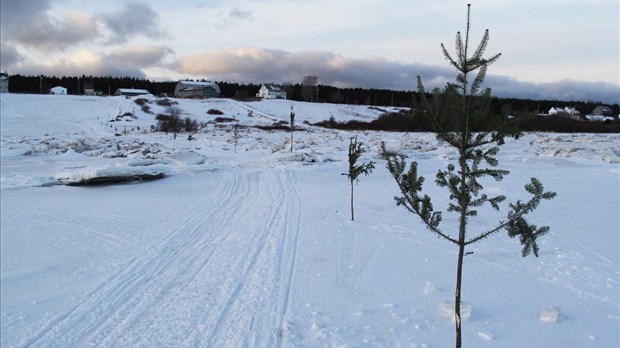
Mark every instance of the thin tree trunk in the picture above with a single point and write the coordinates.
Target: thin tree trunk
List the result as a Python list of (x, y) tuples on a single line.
[(464, 202), (457, 295), (352, 213)]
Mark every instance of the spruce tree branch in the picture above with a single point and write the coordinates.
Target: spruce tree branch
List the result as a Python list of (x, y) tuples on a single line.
[(448, 57), (411, 207), (536, 188), (488, 233), (411, 200), (482, 46), (431, 120), (524, 210)]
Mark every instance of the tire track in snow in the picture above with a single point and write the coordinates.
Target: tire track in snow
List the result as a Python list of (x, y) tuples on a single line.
[(226, 314), (222, 278), (122, 292), (252, 316), (283, 313)]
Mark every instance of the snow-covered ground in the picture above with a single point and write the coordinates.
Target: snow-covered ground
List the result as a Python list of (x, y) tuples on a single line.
[(255, 248)]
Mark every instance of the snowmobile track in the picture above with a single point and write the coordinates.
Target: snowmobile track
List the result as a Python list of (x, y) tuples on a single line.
[(222, 277)]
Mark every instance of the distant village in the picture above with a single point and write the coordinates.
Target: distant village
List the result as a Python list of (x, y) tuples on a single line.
[(206, 89), (601, 113), (183, 89)]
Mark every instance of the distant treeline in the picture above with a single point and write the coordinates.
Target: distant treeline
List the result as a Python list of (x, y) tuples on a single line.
[(404, 121), (107, 85)]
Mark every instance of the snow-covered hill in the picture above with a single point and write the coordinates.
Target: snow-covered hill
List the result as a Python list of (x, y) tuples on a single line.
[(250, 244)]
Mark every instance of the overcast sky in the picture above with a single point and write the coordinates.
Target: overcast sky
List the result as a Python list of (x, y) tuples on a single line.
[(552, 49)]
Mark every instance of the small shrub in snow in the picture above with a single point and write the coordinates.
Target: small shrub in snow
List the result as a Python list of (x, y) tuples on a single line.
[(190, 125), (215, 112), (224, 119), (386, 153), (165, 102), (141, 101)]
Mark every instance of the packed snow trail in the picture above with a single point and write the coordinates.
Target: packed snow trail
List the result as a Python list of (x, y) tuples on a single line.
[(222, 278)]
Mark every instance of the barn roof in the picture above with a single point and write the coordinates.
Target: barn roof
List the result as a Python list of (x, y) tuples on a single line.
[(273, 88), (196, 85), (132, 91)]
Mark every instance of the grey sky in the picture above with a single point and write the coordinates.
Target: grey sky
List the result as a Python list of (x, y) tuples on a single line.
[(553, 49)]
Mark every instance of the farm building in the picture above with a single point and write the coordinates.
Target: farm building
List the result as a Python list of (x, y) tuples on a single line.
[(130, 92), (270, 91), (4, 82), (58, 90), (602, 110), (88, 88), (195, 89), (556, 110)]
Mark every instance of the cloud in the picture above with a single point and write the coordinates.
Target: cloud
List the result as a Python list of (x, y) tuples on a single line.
[(239, 14), (143, 56), (27, 23), (128, 61), (226, 20), (53, 34), (9, 56), (13, 12), (134, 19), (563, 90), (259, 65)]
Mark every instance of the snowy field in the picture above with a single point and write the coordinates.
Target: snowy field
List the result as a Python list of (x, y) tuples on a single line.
[(255, 248)]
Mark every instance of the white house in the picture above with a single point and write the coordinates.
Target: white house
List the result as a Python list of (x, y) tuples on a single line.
[(196, 89), (271, 91), (556, 110), (58, 90), (572, 110)]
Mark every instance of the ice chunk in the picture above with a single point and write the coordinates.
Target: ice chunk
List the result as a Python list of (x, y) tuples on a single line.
[(429, 289), (549, 314), (446, 309), (486, 336)]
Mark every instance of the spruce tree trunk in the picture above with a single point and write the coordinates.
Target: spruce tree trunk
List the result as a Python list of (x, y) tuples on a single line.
[(457, 295), (352, 213), (464, 202)]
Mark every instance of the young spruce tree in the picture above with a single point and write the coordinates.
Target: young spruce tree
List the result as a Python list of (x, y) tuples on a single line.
[(236, 135), (190, 138), (459, 117), (356, 149), (292, 117)]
